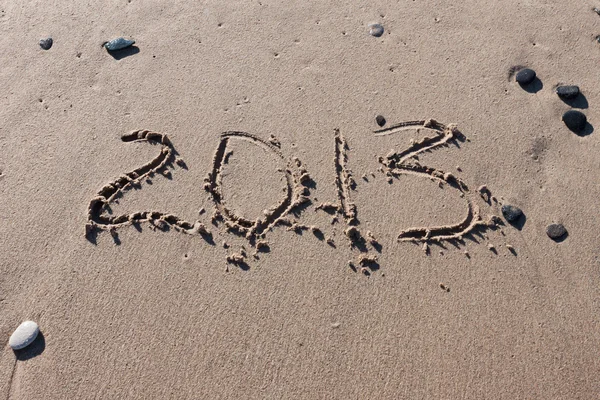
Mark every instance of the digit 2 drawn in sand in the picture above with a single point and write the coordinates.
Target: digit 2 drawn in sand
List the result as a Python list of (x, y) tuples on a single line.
[(99, 218), (405, 162)]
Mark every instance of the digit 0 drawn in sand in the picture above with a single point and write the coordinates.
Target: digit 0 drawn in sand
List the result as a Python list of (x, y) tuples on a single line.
[(405, 162), (98, 217), (296, 193)]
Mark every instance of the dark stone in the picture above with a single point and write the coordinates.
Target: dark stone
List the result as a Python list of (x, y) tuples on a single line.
[(118, 44), (555, 231), (380, 120), (376, 30), (567, 92), (525, 76), (46, 43), (511, 213), (574, 120)]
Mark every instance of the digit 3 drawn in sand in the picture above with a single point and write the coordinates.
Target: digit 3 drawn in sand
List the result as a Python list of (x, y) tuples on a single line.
[(405, 162), (296, 193), (98, 217)]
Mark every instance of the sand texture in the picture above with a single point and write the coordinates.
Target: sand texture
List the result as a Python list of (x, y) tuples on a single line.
[(214, 213)]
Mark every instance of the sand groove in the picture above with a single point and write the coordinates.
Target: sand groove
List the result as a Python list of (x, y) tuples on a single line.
[(405, 162), (98, 220), (343, 178), (295, 194)]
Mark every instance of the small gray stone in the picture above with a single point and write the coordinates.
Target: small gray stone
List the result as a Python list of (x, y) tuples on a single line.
[(511, 213), (574, 120), (376, 30), (525, 76), (118, 44), (380, 120), (555, 231), (46, 43), (24, 335), (567, 92)]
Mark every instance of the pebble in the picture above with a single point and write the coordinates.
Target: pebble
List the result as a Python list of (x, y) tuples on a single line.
[(574, 120), (380, 120), (46, 43), (511, 213), (376, 30), (24, 335), (118, 44), (567, 92), (525, 76), (555, 231)]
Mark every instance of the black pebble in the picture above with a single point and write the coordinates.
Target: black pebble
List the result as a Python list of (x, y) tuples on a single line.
[(376, 30), (380, 120), (574, 120), (511, 213), (555, 231), (46, 43), (525, 76), (567, 92)]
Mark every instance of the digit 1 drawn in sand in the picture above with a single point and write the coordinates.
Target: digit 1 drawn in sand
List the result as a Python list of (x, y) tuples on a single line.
[(405, 162), (99, 220), (343, 182), (296, 193), (343, 178)]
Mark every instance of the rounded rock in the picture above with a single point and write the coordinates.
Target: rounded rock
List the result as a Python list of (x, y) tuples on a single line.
[(574, 120), (525, 76), (24, 335), (46, 43), (555, 231), (376, 30), (118, 44), (511, 213), (567, 92), (380, 120)]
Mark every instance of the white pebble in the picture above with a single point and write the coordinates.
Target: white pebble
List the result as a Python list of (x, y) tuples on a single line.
[(24, 335)]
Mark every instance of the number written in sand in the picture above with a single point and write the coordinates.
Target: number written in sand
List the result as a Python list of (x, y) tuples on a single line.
[(287, 211)]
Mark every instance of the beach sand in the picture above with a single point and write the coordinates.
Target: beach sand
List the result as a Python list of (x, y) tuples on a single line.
[(151, 312)]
